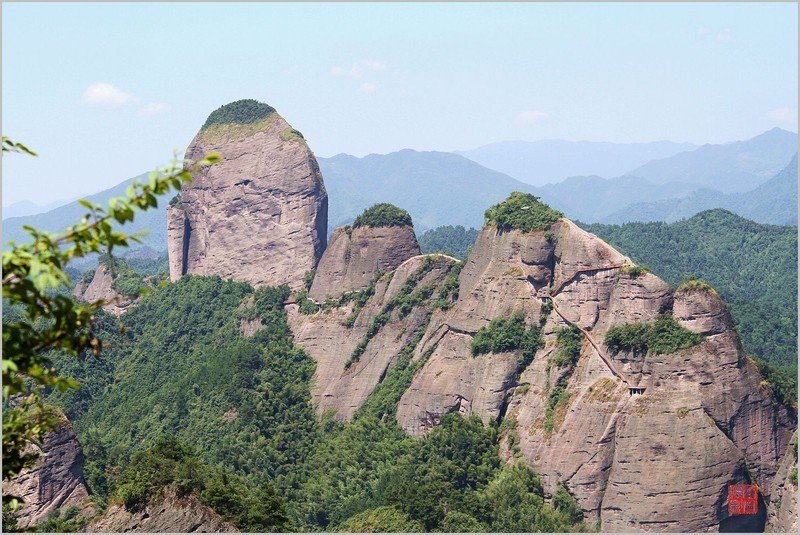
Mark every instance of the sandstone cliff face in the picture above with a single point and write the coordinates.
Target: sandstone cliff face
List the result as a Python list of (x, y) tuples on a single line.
[(331, 343), (102, 287), (659, 461), (54, 482), (258, 216), (355, 254), (782, 511), (170, 514)]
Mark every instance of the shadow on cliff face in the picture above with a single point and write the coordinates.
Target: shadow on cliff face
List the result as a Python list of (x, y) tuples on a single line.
[(746, 523)]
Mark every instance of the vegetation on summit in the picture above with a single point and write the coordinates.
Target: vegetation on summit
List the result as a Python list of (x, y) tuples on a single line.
[(245, 111), (522, 211), (383, 215)]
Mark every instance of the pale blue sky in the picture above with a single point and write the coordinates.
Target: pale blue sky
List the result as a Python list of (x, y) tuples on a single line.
[(362, 78)]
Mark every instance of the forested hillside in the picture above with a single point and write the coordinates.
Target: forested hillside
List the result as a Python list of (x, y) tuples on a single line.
[(753, 267), (454, 241), (182, 374)]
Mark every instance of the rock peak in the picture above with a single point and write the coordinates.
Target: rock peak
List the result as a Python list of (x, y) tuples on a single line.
[(261, 214)]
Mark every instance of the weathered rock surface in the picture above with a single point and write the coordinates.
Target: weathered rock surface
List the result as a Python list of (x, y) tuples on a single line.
[(660, 461), (258, 216), (54, 482), (331, 343), (354, 255), (102, 287), (782, 509), (170, 514)]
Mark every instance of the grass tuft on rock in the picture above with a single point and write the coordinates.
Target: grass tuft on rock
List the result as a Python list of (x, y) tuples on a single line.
[(522, 211)]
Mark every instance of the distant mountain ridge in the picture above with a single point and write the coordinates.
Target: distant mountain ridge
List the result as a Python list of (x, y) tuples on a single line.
[(730, 168), (773, 202), (550, 161), (151, 224), (437, 188)]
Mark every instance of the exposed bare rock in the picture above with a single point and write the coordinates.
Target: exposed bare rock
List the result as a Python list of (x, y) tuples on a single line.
[(782, 510), (258, 216), (170, 514), (55, 481), (354, 255), (331, 343), (102, 287), (657, 461), (702, 311)]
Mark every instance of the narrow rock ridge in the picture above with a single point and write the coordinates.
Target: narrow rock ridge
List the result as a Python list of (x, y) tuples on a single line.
[(170, 514), (258, 216), (55, 481), (354, 255)]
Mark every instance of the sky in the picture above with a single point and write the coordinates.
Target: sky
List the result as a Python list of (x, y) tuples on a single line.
[(104, 92)]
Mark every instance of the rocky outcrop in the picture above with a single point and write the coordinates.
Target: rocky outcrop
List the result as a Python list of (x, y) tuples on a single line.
[(659, 461), (342, 383), (782, 509), (354, 255), (170, 514), (55, 482), (644, 442), (258, 216), (101, 287)]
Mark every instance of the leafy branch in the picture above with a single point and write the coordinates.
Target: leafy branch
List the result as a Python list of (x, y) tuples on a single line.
[(33, 273)]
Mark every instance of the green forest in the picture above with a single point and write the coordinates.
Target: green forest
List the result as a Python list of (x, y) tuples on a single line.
[(176, 371), (455, 241)]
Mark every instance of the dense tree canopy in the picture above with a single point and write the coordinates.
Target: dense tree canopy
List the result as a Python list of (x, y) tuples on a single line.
[(44, 319), (454, 241)]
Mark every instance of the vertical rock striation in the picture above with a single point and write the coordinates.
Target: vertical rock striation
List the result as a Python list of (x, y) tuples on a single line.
[(659, 461), (782, 510), (55, 481), (258, 216), (354, 255), (342, 383)]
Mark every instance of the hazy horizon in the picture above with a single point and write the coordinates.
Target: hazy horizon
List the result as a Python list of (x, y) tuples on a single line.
[(371, 78)]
